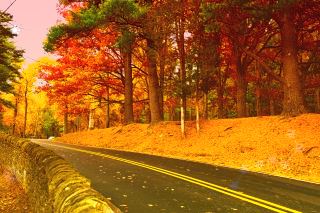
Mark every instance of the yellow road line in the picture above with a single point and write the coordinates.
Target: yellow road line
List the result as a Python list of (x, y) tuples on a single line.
[(236, 194)]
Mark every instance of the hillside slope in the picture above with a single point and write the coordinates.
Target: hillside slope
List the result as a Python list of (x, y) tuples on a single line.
[(287, 147)]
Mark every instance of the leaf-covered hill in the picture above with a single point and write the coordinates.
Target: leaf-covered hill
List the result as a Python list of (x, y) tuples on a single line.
[(280, 146)]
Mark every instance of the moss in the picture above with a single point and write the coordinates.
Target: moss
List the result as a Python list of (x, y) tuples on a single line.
[(50, 182)]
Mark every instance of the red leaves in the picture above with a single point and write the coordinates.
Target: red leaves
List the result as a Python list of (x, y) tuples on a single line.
[(84, 70)]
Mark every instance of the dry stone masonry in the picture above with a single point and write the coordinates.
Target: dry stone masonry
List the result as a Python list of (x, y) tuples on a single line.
[(50, 182)]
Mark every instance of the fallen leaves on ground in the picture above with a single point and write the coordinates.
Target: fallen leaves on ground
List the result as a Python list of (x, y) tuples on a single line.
[(12, 196), (276, 145)]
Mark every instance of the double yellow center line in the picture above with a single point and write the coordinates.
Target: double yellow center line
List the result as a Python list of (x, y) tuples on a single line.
[(236, 194)]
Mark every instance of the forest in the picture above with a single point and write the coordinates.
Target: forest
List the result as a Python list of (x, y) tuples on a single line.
[(145, 61)]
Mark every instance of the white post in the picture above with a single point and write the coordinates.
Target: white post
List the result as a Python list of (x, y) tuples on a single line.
[(182, 120), (91, 120)]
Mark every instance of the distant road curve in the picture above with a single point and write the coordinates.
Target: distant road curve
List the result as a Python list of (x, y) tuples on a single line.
[(144, 183)]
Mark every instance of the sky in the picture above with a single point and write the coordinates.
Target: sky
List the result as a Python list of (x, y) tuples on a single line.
[(33, 18)]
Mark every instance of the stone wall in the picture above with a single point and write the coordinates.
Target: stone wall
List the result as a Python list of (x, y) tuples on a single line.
[(50, 182)]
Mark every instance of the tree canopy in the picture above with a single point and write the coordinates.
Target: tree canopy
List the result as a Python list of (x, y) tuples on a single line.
[(10, 57), (155, 59)]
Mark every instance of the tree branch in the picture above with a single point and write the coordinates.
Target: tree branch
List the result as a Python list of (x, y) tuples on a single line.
[(264, 65)]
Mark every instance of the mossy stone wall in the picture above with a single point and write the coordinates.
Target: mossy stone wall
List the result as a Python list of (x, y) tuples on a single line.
[(50, 182)]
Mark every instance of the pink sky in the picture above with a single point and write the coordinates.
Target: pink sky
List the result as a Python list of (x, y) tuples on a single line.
[(34, 18)]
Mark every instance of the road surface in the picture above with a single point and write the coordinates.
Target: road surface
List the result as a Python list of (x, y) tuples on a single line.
[(144, 183)]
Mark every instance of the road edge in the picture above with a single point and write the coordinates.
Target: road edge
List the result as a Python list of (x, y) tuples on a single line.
[(195, 161), (51, 183)]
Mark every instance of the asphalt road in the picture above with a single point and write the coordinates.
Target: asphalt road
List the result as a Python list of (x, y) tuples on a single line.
[(144, 183)]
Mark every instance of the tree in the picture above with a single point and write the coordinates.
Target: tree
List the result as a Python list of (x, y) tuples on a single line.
[(227, 53), (10, 58), (131, 17), (294, 19), (50, 124), (26, 83)]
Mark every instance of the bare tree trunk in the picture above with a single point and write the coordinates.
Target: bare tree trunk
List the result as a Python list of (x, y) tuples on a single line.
[(241, 83), (108, 105), (25, 110), (161, 89), (241, 96), (182, 58), (220, 91), (180, 30), (197, 100), (197, 108), (108, 110), (183, 128), (205, 105), (147, 113), (128, 88), (35, 130), (162, 63), (317, 99), (65, 121), (15, 114), (153, 83), (91, 120), (258, 90), (78, 121), (197, 117), (293, 103), (171, 113), (271, 105)]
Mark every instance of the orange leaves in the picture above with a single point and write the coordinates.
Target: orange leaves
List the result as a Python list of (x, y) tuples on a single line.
[(87, 67)]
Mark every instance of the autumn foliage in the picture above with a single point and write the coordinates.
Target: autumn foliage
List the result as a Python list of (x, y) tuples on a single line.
[(286, 147), (120, 62), (229, 58)]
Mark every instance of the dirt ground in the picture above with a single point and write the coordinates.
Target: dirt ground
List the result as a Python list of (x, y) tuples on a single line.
[(12, 197), (288, 147)]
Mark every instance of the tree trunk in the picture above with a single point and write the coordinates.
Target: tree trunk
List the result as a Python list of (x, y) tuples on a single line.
[(317, 99), (153, 82), (171, 113), (147, 114), (182, 59), (161, 89), (128, 88), (36, 121), (258, 90), (197, 107), (241, 83), (15, 114), (65, 121), (220, 91), (78, 123), (91, 120), (241, 96), (220, 104), (197, 117), (197, 100), (205, 105), (271, 106), (258, 102), (293, 103), (183, 129), (162, 63), (108, 110), (25, 110)]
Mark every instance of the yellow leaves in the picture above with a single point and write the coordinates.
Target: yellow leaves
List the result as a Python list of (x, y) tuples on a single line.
[(26, 93), (287, 147)]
